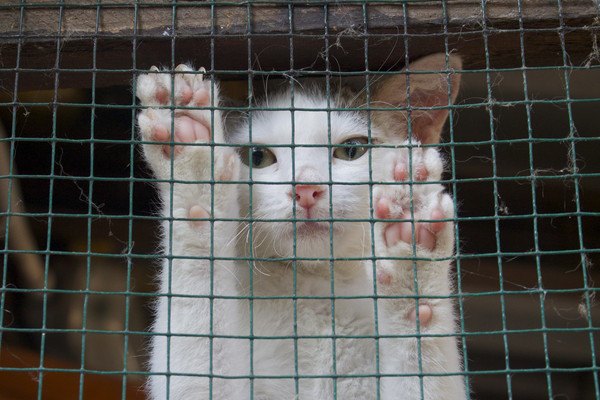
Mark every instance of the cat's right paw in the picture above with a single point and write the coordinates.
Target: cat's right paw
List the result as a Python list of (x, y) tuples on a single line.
[(414, 235), (411, 194), (185, 123), (415, 227), (178, 126)]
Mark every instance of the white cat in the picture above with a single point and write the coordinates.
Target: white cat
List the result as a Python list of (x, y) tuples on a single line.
[(261, 326)]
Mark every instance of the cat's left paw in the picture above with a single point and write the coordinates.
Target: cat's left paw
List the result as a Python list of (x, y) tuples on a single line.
[(415, 215)]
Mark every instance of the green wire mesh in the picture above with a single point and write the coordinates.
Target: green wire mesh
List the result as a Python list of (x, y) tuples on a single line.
[(522, 144)]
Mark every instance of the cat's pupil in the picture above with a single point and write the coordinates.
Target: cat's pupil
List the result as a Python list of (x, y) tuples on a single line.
[(257, 156), (351, 151)]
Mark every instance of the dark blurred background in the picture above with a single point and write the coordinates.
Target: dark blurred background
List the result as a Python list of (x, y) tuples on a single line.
[(508, 294)]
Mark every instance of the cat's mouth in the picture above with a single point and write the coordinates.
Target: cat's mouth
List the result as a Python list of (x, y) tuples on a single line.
[(312, 228)]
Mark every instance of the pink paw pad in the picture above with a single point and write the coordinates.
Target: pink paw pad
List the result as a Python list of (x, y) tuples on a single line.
[(196, 214), (382, 208), (384, 278), (187, 130), (437, 226), (201, 97), (186, 95), (425, 314), (424, 232), (400, 172), (162, 95), (190, 130), (160, 134)]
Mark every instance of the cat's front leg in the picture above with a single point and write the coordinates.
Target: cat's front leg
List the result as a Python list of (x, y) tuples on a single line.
[(185, 148), (183, 142), (413, 275)]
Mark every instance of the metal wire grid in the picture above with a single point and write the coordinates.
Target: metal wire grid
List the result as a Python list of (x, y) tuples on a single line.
[(574, 174)]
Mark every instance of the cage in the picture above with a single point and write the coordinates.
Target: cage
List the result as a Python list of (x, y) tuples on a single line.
[(78, 203)]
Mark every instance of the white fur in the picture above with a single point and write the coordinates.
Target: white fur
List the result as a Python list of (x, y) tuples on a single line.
[(183, 363)]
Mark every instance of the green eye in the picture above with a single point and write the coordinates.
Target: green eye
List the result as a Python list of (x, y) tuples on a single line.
[(352, 149), (258, 156)]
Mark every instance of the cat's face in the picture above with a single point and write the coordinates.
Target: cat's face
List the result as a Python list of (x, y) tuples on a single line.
[(311, 164), (331, 184)]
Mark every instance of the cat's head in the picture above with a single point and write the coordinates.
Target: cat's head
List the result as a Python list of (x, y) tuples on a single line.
[(311, 166)]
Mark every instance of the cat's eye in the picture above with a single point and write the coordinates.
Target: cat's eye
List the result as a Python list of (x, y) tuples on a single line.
[(259, 157), (352, 149)]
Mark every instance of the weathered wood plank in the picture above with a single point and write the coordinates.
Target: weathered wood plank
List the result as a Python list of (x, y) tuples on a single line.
[(79, 17), (84, 32)]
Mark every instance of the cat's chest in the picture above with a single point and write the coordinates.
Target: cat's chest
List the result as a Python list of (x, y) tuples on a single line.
[(308, 305)]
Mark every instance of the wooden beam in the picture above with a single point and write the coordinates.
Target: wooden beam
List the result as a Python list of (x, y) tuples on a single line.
[(30, 36)]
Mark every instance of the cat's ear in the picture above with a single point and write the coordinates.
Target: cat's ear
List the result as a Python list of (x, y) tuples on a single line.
[(429, 86)]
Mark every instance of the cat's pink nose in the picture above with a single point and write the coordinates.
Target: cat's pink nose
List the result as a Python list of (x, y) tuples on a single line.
[(308, 195)]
